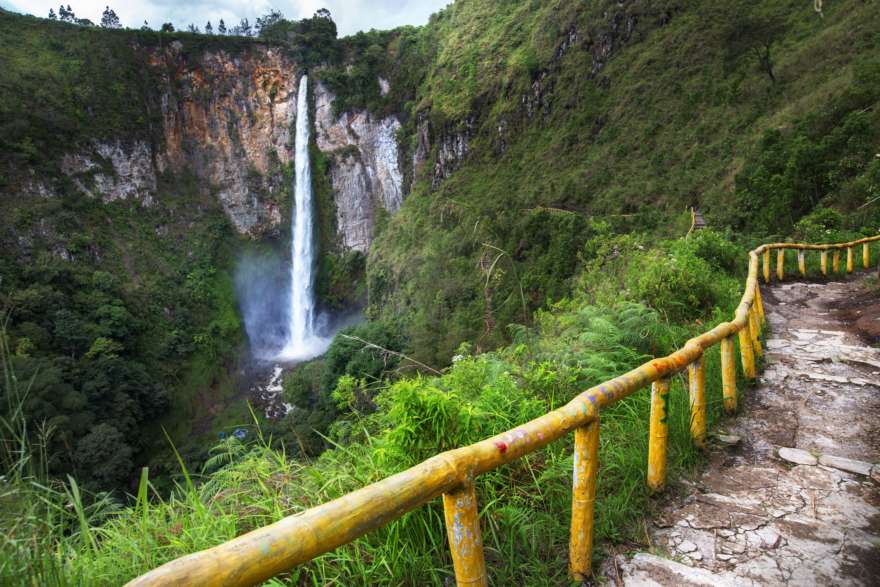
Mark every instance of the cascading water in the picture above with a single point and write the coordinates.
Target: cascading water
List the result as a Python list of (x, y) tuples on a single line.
[(303, 342)]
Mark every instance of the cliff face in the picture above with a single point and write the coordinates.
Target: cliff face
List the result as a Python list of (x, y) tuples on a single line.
[(365, 167), (227, 120)]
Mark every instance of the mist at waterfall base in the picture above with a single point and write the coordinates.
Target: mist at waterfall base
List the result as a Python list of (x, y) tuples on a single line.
[(262, 284)]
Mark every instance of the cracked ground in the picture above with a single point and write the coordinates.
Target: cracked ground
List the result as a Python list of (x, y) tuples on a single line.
[(753, 518)]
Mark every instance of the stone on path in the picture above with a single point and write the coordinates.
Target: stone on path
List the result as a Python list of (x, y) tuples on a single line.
[(650, 571), (844, 464), (797, 456)]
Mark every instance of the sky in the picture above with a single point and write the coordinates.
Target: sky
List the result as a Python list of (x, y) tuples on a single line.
[(350, 15)]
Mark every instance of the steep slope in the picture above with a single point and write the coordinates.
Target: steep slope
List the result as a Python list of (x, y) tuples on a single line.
[(534, 119), (483, 151), (135, 167)]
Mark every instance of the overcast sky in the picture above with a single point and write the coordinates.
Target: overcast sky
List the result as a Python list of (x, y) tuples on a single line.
[(350, 15)]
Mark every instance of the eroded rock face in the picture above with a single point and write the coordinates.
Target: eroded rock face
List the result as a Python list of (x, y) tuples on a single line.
[(365, 171), (228, 119), (113, 171), (452, 147)]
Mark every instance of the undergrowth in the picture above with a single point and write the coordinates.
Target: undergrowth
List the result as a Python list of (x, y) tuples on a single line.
[(525, 506)]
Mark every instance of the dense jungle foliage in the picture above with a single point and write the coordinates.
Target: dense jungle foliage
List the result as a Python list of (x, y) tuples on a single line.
[(539, 252)]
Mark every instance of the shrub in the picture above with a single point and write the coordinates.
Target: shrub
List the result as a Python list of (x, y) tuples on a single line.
[(678, 284), (819, 226)]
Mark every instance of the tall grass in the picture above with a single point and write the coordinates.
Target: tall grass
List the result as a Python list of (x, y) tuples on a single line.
[(66, 537)]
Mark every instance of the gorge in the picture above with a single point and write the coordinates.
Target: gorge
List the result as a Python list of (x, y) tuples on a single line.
[(492, 206)]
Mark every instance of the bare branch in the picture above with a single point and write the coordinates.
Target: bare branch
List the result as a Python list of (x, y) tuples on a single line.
[(368, 344)]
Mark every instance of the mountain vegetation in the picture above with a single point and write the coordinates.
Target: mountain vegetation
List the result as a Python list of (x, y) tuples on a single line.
[(551, 149)]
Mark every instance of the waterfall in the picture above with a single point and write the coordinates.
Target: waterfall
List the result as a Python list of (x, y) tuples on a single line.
[(302, 340)]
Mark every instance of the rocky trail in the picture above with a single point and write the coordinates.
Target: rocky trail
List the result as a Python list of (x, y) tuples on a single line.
[(796, 501)]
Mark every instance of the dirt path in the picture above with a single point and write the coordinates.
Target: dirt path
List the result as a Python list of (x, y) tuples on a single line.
[(761, 516)]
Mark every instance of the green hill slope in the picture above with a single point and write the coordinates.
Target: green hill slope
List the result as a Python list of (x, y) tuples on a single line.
[(630, 112)]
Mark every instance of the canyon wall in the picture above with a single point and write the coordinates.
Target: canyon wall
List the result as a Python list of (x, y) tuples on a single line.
[(365, 167), (226, 119)]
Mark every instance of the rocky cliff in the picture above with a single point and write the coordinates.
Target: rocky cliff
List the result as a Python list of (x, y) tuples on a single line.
[(226, 119), (365, 167)]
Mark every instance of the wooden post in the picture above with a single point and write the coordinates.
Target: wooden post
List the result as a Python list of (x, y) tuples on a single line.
[(583, 500), (759, 303), (657, 435), (824, 262), (755, 330), (463, 529), (780, 264), (728, 375), (835, 261), (746, 352), (850, 261), (766, 262), (802, 263), (866, 255), (697, 386)]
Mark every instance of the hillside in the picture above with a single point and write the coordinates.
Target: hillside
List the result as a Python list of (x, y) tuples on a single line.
[(502, 191), (556, 113)]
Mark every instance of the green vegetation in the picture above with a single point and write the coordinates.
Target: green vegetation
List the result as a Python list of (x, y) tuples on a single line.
[(382, 428), (63, 85), (647, 110), (105, 313), (540, 259)]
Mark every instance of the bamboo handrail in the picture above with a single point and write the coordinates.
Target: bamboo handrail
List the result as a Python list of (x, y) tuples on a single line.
[(276, 548)]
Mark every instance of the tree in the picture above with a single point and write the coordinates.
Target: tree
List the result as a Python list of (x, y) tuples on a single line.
[(244, 28), (145, 26), (753, 32), (209, 29), (267, 20), (109, 20), (66, 14), (52, 15), (167, 28), (221, 28), (323, 13), (193, 28), (104, 457)]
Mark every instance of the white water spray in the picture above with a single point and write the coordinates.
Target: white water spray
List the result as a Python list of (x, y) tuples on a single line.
[(302, 340)]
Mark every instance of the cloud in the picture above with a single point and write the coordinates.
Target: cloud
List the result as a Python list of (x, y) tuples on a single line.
[(350, 15)]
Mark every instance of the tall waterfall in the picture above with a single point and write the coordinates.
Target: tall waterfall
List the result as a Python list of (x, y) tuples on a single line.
[(302, 340)]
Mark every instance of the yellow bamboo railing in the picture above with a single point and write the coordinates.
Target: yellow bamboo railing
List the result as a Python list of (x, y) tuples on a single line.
[(268, 551)]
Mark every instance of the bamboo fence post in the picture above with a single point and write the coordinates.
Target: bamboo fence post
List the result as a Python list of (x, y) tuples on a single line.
[(802, 263), (866, 255), (780, 264), (697, 387), (759, 304), (746, 352), (728, 375), (583, 499), (850, 261), (657, 435), (835, 261), (465, 541), (755, 331), (824, 262), (766, 262)]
